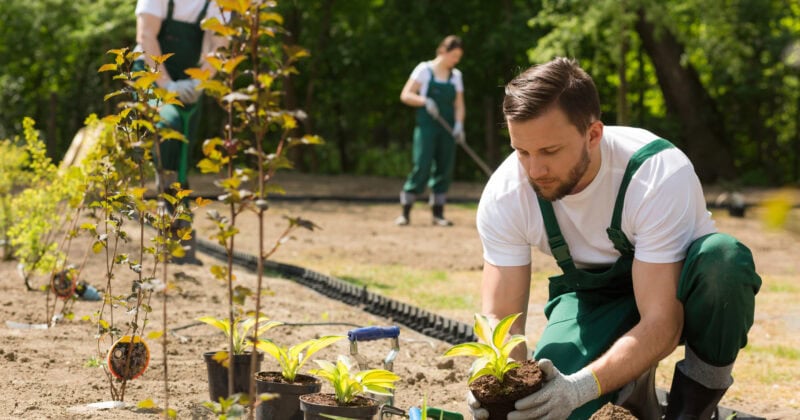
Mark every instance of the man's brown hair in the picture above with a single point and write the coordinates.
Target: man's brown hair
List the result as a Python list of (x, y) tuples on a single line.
[(560, 82)]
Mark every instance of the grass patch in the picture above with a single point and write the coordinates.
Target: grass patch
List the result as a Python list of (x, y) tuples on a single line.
[(425, 288), (780, 287), (777, 350)]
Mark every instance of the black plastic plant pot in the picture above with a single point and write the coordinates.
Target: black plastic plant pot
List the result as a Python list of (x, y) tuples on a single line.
[(287, 404), (315, 405), (218, 374)]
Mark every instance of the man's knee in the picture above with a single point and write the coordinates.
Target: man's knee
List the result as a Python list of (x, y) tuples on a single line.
[(718, 265)]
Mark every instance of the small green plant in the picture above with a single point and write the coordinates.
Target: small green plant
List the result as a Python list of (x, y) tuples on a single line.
[(238, 332), (348, 385), (293, 358), (493, 352)]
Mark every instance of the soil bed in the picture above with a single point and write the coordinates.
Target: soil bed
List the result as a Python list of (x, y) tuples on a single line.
[(54, 373)]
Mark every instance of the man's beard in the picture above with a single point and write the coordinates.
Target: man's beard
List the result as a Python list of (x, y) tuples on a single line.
[(575, 175)]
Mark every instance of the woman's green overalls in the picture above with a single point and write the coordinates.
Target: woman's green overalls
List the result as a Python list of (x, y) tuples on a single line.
[(185, 41), (590, 309), (434, 148)]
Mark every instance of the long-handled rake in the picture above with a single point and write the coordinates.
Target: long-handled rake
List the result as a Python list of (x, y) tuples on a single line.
[(462, 142)]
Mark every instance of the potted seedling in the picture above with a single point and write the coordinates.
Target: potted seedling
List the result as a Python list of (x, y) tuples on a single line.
[(349, 388), (495, 379), (248, 83), (219, 363), (289, 384)]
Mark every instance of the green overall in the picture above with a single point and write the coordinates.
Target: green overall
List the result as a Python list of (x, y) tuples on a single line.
[(185, 41), (434, 148), (590, 309)]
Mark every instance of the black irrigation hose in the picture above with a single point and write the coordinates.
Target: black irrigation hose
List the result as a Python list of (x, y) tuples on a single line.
[(417, 319)]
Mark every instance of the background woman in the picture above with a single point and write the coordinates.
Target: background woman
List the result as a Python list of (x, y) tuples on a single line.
[(436, 88)]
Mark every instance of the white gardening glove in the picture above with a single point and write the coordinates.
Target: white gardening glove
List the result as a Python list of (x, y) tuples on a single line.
[(190, 94), (430, 106), (475, 409), (559, 396), (186, 90), (458, 132)]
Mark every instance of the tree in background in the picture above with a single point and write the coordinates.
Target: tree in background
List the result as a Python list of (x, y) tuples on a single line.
[(51, 50), (710, 75), (716, 67)]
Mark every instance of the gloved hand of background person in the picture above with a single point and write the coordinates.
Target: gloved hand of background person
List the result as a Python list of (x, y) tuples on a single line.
[(458, 132), (186, 90), (475, 409), (559, 396), (430, 106)]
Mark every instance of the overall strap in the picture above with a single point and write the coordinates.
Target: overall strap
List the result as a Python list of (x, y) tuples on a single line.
[(558, 246), (615, 234), (202, 14), (170, 9)]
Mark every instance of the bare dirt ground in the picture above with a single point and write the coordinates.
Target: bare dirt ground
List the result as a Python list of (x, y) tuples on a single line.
[(46, 374)]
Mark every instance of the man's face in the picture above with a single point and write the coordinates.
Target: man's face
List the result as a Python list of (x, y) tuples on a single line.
[(555, 155)]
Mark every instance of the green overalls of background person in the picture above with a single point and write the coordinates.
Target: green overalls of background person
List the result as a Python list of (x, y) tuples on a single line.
[(436, 87), (169, 26)]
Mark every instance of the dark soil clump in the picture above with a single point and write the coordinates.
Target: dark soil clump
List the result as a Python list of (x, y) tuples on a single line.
[(612, 412), (278, 378), (330, 399), (499, 397)]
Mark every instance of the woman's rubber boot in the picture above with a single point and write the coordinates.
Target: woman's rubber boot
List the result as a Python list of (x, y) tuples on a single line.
[(405, 218), (438, 216), (689, 400)]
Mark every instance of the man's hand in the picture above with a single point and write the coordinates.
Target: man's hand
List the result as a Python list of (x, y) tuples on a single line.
[(475, 409), (430, 106), (559, 396)]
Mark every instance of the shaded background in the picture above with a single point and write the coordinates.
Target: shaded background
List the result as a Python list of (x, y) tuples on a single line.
[(719, 78)]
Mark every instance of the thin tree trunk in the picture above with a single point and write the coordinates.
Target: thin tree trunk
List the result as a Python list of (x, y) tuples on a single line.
[(686, 97)]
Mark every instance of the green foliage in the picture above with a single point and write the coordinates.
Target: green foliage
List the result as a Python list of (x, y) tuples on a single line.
[(493, 354), (38, 208), (240, 332), (291, 359), (50, 50), (13, 177), (347, 384)]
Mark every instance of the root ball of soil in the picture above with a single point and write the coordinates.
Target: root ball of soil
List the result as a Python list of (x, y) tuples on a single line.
[(499, 397)]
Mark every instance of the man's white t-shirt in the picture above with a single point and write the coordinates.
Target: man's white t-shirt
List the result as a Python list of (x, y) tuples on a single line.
[(422, 75), (664, 210)]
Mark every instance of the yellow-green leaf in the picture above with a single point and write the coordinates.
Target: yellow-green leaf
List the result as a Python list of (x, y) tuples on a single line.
[(270, 16), (155, 335), (146, 404), (199, 74), (502, 328), (160, 59), (107, 67)]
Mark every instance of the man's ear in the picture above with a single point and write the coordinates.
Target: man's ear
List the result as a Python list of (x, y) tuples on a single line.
[(595, 132)]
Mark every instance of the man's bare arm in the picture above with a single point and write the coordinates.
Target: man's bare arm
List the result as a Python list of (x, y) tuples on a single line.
[(657, 333), (505, 291)]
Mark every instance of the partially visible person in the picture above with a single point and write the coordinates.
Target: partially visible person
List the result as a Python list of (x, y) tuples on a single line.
[(173, 26), (623, 213), (436, 89)]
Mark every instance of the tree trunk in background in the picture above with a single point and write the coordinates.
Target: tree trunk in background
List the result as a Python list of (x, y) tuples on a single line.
[(313, 74), (490, 132), (296, 153), (686, 97), (52, 127), (623, 117)]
